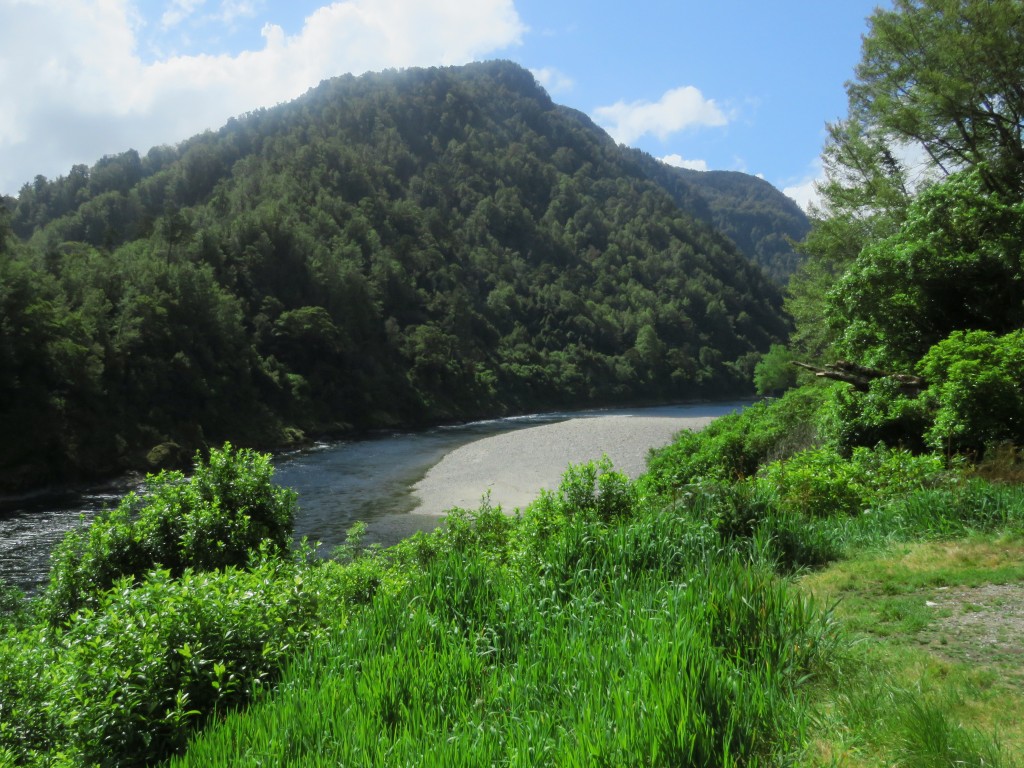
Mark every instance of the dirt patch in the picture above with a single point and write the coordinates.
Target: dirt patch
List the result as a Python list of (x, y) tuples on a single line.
[(981, 625)]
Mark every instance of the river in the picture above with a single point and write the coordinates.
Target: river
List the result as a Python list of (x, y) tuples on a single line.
[(337, 483)]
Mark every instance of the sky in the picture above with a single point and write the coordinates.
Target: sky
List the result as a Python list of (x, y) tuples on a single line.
[(738, 85)]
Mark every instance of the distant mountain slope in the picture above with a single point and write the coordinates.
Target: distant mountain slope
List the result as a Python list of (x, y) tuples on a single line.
[(395, 248), (757, 217), (761, 220)]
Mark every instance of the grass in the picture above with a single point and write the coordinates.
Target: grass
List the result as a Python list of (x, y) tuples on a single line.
[(595, 665), (913, 691), (605, 625), (646, 643)]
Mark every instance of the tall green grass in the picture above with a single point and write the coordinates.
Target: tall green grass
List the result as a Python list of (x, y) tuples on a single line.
[(595, 663), (611, 623)]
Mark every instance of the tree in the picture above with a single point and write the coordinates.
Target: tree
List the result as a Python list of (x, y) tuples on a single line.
[(976, 390), (955, 265), (938, 91), (774, 373), (5, 226), (947, 75)]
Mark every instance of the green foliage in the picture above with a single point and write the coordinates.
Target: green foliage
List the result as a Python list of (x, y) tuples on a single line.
[(820, 482), (762, 221), (479, 663), (976, 391), (774, 372), (397, 248), (152, 661), (155, 659), (946, 74), (936, 92), (594, 491), (29, 721), (973, 401), (735, 446), (920, 272), (549, 634), (882, 415), (565, 652), (954, 265), (219, 517)]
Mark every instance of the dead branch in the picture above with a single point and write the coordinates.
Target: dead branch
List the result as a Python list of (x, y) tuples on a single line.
[(861, 376)]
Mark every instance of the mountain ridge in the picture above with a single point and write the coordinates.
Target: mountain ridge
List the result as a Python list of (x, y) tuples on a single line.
[(396, 248)]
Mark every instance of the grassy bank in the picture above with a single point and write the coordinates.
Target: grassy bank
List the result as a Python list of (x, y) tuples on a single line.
[(755, 599)]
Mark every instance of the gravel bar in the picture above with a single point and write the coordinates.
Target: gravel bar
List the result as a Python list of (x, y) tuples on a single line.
[(514, 467)]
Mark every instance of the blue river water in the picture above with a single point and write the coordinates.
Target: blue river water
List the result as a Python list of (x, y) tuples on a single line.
[(337, 483)]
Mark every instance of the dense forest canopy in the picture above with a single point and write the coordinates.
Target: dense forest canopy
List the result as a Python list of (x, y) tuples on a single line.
[(396, 248), (764, 223)]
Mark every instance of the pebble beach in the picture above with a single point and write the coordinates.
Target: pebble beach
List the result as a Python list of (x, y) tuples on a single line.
[(513, 467)]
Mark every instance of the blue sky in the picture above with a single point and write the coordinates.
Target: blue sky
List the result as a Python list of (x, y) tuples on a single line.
[(721, 85)]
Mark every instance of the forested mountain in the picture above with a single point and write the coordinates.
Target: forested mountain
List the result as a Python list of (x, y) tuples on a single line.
[(396, 248), (763, 222)]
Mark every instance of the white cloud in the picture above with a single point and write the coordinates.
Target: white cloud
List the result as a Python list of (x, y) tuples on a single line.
[(230, 10), (805, 190), (72, 87), (677, 110), (679, 162), (178, 11), (553, 80)]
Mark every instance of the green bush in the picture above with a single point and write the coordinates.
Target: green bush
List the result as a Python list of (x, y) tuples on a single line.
[(29, 715), (216, 518), (155, 659), (774, 372), (820, 482), (976, 388), (735, 446), (884, 414)]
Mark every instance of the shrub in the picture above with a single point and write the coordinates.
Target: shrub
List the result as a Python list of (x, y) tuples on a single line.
[(735, 446), (820, 482), (29, 721), (217, 518), (774, 373), (884, 414), (154, 659), (976, 390)]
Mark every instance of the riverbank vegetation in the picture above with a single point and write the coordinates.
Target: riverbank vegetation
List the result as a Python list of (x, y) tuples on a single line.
[(829, 578), (678, 619)]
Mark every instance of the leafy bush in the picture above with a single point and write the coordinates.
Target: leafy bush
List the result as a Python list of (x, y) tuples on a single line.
[(735, 446), (884, 414), (774, 373), (594, 491), (976, 389), (29, 714), (820, 482), (816, 482), (156, 658), (217, 518)]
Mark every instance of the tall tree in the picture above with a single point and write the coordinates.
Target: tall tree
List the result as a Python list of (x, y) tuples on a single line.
[(939, 89), (947, 75)]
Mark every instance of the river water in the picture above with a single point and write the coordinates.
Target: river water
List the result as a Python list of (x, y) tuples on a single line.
[(337, 483)]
